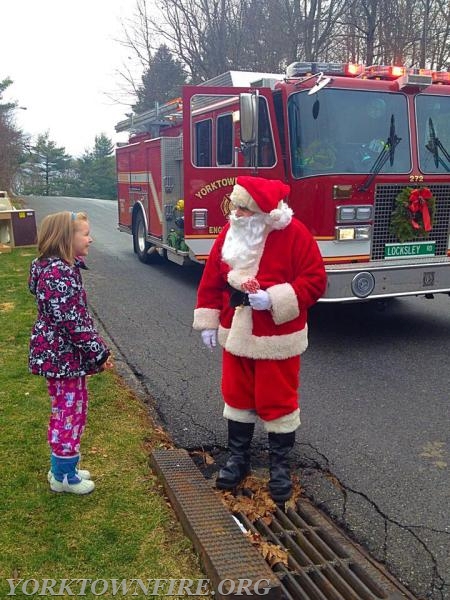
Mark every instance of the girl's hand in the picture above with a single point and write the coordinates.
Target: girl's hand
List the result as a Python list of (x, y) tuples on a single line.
[(107, 365)]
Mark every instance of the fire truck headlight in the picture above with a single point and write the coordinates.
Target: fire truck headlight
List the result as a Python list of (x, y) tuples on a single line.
[(363, 213), (345, 233), (199, 218), (358, 232), (346, 213), (363, 284), (362, 233)]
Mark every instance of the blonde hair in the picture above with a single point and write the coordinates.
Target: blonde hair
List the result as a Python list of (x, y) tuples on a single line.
[(56, 234)]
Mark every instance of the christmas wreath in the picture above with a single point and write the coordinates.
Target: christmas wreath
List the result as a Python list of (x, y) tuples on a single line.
[(413, 214)]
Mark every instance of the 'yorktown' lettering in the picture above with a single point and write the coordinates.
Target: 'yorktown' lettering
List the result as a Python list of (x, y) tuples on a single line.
[(215, 185)]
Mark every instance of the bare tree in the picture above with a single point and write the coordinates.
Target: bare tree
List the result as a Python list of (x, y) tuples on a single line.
[(398, 35), (11, 141), (199, 32), (437, 51), (138, 38), (209, 37)]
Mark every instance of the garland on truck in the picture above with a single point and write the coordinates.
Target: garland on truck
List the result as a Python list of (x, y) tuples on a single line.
[(413, 215)]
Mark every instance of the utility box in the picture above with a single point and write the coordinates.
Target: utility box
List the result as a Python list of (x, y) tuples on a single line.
[(24, 229), (17, 227), (5, 223)]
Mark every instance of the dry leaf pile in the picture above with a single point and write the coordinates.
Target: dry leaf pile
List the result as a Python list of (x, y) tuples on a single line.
[(206, 457), (272, 553), (260, 506)]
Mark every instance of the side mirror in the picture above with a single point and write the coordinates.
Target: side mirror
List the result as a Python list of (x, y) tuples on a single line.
[(248, 108)]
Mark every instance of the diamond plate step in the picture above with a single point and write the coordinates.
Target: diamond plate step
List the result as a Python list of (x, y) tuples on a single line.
[(226, 555)]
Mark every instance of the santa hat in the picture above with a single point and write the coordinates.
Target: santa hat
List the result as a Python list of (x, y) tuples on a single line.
[(263, 196)]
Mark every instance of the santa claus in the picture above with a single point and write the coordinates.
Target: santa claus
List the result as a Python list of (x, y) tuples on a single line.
[(263, 273)]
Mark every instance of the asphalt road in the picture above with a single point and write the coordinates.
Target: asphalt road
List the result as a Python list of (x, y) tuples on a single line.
[(373, 448)]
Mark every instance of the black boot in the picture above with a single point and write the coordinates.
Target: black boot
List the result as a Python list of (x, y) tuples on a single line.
[(280, 484), (238, 465)]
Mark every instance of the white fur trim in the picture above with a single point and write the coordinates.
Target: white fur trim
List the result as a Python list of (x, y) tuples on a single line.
[(239, 414), (280, 217), (239, 339), (206, 318), (240, 197), (285, 424), (236, 277), (284, 303)]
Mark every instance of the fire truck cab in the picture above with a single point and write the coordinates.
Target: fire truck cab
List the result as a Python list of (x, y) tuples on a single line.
[(366, 152)]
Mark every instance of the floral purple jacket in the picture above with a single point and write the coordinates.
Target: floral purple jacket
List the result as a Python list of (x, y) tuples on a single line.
[(64, 341)]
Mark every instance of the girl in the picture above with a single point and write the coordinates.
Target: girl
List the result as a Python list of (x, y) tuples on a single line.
[(65, 346)]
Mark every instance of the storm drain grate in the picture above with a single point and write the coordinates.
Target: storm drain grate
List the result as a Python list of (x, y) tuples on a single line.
[(323, 564), (227, 556)]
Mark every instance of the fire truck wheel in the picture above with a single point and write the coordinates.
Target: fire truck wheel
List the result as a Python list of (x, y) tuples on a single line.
[(140, 244)]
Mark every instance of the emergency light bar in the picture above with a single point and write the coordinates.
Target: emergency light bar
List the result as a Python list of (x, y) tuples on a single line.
[(302, 69), (410, 77), (441, 77), (414, 81), (384, 72)]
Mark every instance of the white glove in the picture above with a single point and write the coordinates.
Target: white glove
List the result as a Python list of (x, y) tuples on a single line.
[(260, 300), (209, 338)]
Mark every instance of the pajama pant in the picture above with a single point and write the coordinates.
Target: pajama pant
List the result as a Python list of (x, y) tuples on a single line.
[(69, 406), (270, 387)]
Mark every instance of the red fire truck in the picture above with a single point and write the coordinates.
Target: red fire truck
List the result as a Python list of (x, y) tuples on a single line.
[(366, 152)]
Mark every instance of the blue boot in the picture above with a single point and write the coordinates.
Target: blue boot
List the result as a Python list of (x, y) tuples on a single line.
[(64, 476), (82, 473)]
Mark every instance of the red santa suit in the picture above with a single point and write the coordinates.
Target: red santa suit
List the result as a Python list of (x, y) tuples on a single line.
[(262, 348)]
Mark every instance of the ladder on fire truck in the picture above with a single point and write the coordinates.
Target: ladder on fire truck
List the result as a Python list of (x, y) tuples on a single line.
[(162, 115)]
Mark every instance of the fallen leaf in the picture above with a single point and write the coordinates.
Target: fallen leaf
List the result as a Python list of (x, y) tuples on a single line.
[(257, 506), (272, 553), (206, 457)]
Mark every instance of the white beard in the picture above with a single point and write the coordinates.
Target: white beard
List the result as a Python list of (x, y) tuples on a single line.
[(244, 240)]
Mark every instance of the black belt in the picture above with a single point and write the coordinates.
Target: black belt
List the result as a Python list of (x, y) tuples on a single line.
[(238, 298)]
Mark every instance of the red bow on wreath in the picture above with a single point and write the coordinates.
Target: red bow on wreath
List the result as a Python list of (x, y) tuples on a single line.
[(418, 204)]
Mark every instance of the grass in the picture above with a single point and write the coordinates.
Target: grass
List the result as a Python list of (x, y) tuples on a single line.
[(125, 528)]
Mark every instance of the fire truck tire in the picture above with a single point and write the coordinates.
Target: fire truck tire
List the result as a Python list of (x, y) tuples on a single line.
[(140, 244)]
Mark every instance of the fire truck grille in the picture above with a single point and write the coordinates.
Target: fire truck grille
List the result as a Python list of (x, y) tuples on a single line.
[(385, 196)]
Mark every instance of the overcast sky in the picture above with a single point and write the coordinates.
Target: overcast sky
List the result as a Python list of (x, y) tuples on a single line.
[(62, 56)]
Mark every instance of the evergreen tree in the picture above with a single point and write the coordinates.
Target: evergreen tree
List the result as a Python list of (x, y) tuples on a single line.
[(5, 107), (97, 171), (103, 146), (161, 82), (48, 169)]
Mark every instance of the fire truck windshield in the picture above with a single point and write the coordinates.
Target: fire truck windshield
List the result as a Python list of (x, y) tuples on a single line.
[(345, 131), (433, 133)]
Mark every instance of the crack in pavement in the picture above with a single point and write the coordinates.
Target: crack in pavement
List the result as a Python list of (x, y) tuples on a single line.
[(436, 585)]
